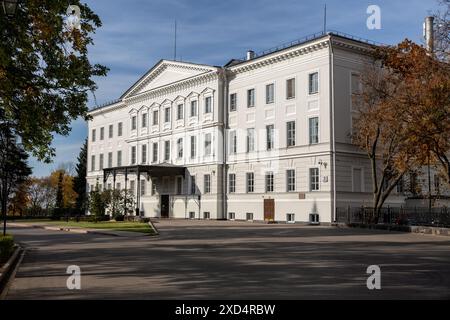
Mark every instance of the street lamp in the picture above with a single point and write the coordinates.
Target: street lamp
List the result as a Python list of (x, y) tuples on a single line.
[(9, 7)]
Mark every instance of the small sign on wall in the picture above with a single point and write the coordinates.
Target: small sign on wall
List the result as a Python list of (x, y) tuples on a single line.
[(301, 195)]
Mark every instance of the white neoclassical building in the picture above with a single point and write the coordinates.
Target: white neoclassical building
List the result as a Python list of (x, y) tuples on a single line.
[(262, 138)]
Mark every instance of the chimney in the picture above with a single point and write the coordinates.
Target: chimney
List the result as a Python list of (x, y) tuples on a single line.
[(250, 55), (428, 33)]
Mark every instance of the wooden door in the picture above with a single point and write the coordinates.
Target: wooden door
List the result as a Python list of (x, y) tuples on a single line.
[(269, 209)]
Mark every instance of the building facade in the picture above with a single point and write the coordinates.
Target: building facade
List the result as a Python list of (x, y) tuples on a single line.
[(263, 138)]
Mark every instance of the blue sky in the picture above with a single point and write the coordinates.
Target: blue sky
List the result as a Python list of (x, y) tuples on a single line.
[(136, 34)]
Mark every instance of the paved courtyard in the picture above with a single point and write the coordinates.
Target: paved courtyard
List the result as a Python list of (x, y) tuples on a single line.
[(233, 260)]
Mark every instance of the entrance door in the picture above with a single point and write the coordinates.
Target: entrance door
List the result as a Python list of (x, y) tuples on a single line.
[(269, 209), (164, 206)]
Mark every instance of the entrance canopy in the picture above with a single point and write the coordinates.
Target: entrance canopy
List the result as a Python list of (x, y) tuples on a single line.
[(159, 170)]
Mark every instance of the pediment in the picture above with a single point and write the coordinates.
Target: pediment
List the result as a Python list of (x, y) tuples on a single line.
[(164, 73)]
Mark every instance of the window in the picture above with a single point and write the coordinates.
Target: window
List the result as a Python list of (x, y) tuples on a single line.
[(154, 187), (356, 180), (194, 108), (119, 158), (233, 142), (233, 102), (413, 183), (269, 182), (313, 130), (110, 131), (144, 153), (102, 133), (290, 133), (179, 185), (155, 152), (191, 215), (207, 183), (119, 129), (290, 88), (290, 180), (314, 179), (180, 148), (208, 144), (232, 183), (290, 218), (270, 93), (133, 123), (269, 137), (155, 117), (250, 139), (193, 146), (437, 183), (93, 135), (133, 155), (206, 215), (249, 216), (144, 120), (142, 187), (231, 215), (167, 115), (167, 150), (313, 83), (193, 185), (208, 106), (100, 162), (110, 160), (180, 110), (250, 98), (132, 187), (92, 163), (250, 181)]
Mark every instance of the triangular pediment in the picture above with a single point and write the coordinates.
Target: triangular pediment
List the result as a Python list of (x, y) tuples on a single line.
[(164, 73)]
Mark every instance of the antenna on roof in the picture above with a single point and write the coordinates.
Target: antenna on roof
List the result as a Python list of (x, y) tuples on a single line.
[(325, 18), (175, 43)]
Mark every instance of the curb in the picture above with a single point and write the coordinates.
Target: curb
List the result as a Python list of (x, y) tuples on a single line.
[(150, 222), (8, 271), (86, 231)]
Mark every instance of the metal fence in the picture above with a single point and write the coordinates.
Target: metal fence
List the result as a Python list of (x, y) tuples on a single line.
[(415, 216)]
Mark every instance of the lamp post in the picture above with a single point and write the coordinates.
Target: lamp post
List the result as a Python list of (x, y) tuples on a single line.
[(9, 7)]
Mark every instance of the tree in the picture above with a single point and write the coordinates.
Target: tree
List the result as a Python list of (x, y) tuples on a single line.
[(442, 30), (41, 194), (13, 168), (97, 204), (79, 181), (20, 199), (62, 182), (45, 73), (59, 191), (403, 117)]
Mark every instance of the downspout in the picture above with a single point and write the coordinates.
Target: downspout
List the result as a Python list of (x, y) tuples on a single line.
[(224, 142), (333, 137)]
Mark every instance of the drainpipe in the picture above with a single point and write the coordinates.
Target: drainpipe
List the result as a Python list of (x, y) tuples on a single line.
[(224, 142), (332, 127)]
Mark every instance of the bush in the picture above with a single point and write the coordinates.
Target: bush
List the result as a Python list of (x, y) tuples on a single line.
[(119, 217), (6, 247)]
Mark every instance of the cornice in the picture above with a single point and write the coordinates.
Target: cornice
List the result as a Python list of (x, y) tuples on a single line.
[(280, 56), (173, 87)]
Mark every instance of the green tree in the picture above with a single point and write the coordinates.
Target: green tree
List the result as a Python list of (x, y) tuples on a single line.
[(45, 73), (14, 168), (97, 204), (79, 181)]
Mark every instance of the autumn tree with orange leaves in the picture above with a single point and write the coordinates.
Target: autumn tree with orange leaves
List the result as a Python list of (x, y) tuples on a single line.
[(403, 117)]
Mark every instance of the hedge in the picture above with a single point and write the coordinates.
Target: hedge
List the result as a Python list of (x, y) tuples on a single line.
[(6, 247)]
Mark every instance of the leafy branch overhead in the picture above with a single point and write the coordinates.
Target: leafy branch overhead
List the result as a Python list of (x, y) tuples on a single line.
[(45, 73)]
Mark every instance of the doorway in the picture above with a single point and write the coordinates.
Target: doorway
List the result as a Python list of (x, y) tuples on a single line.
[(269, 209), (164, 206)]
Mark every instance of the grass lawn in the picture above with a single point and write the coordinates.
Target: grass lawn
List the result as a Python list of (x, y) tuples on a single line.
[(110, 225)]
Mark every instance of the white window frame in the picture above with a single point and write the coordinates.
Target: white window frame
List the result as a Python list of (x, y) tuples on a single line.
[(231, 183), (249, 182), (291, 186), (233, 106), (309, 129), (249, 104), (318, 82), (310, 179), (267, 93), (295, 89), (288, 131)]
